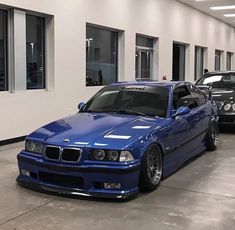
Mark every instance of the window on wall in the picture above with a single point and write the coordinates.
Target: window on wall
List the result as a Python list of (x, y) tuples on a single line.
[(35, 52), (101, 56), (178, 69), (229, 60), (3, 51), (199, 62), (218, 55), (144, 58)]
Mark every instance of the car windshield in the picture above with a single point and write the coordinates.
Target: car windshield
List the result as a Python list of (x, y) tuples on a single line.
[(218, 81), (135, 100)]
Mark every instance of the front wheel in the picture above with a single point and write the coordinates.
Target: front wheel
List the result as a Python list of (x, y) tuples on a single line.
[(212, 137), (151, 169)]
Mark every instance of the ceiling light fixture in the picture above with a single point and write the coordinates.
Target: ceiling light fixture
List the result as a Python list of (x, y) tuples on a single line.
[(223, 7), (229, 15), (204, 0)]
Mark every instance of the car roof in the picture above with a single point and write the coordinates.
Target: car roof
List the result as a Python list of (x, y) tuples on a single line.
[(219, 72), (167, 84)]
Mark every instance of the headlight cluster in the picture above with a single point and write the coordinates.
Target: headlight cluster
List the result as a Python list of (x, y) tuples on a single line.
[(34, 147), (219, 104), (229, 106), (111, 155)]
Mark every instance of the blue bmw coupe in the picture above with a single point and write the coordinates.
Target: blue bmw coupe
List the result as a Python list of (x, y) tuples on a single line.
[(125, 139)]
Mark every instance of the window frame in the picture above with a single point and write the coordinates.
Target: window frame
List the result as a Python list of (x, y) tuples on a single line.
[(229, 60), (44, 77), (182, 64), (219, 53), (6, 37), (199, 54), (117, 51), (144, 49)]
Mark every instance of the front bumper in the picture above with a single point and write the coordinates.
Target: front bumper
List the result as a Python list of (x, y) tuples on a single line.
[(226, 118), (81, 180)]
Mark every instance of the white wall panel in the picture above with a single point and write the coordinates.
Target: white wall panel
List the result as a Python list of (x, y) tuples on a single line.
[(167, 20)]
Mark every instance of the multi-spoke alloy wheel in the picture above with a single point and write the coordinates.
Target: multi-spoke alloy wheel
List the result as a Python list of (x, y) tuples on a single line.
[(212, 136), (151, 169), (154, 165)]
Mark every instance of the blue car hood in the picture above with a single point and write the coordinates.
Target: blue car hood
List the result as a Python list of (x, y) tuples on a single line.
[(97, 130)]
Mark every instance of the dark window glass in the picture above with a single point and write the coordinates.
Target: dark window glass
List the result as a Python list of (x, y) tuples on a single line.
[(3, 51), (199, 62), (144, 42), (35, 52), (178, 68), (198, 95), (178, 93), (101, 56), (151, 101), (226, 81), (217, 59), (188, 96), (229, 60)]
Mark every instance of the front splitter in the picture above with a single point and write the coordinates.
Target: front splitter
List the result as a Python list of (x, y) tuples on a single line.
[(73, 192)]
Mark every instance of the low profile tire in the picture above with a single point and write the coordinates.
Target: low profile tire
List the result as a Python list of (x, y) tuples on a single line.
[(151, 169), (212, 137)]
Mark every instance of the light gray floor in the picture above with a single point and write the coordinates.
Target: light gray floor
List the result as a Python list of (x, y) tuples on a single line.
[(199, 196)]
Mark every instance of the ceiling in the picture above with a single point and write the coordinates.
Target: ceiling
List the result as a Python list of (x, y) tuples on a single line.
[(204, 6)]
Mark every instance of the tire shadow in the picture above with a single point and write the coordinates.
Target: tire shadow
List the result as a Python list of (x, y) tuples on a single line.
[(227, 129)]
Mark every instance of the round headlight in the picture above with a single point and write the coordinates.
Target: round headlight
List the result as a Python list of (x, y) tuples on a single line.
[(227, 107), (30, 146), (126, 156), (39, 147), (99, 154), (234, 107), (34, 147), (113, 155)]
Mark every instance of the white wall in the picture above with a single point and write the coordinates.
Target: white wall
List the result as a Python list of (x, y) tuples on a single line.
[(23, 111)]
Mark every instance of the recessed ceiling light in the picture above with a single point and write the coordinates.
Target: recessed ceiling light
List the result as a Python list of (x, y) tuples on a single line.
[(229, 15), (204, 0), (223, 7)]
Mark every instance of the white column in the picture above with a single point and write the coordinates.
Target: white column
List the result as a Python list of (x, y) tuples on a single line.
[(19, 40), (165, 45), (155, 67), (189, 63), (50, 53), (121, 56)]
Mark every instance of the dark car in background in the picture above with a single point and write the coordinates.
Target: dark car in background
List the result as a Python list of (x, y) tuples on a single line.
[(221, 86)]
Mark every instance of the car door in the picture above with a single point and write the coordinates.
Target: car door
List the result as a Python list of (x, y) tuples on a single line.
[(183, 129), (203, 108)]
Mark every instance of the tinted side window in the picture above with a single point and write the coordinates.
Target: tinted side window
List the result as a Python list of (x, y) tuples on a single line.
[(178, 93), (197, 94)]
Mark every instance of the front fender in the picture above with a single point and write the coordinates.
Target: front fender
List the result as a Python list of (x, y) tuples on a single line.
[(140, 147)]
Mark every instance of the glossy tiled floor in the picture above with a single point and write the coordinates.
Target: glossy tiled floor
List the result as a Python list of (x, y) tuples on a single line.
[(199, 196)]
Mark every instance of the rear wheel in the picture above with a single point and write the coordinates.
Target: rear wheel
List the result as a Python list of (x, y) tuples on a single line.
[(151, 169), (212, 138)]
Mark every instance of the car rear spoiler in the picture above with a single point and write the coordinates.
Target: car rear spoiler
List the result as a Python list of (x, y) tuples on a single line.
[(206, 89)]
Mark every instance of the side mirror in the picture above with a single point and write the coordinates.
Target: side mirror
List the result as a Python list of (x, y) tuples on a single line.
[(81, 105), (206, 89), (183, 110)]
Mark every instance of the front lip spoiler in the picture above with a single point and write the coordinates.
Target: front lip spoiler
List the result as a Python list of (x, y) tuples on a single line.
[(72, 192)]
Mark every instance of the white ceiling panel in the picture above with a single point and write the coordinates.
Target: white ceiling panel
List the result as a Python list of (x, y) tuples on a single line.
[(204, 6)]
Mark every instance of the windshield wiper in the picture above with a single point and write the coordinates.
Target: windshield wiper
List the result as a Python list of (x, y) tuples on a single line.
[(126, 111), (90, 111)]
